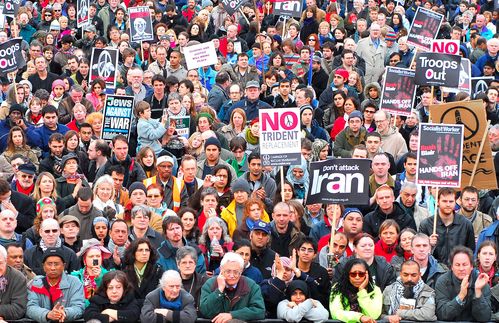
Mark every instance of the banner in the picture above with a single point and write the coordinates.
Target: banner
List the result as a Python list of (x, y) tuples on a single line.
[(472, 115), (398, 91), (434, 69), (11, 7), (118, 113), (231, 6), (11, 57), (481, 84), (424, 28), (440, 154), (280, 137), (104, 65), (445, 46), (82, 18), (339, 180), (182, 125), (291, 8), (140, 24), (464, 78), (200, 55)]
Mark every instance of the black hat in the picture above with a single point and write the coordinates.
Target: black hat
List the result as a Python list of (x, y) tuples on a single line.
[(212, 141), (297, 284), (137, 186), (67, 157), (16, 107), (27, 168), (53, 252)]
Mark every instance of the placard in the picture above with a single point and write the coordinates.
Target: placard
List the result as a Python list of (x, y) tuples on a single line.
[(118, 113), (82, 18), (424, 28), (440, 154), (104, 65), (140, 24), (434, 69), (399, 91), (291, 8), (182, 125), (481, 84), (340, 180), (11, 57), (280, 138), (445, 46), (200, 55), (11, 7), (231, 6), (464, 78), (472, 115)]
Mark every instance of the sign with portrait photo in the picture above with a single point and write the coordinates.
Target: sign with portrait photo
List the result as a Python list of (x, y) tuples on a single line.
[(140, 24), (82, 17)]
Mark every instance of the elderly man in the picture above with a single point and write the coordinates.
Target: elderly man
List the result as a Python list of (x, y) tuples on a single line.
[(8, 223), (408, 201), (169, 302), (25, 179), (409, 298), (50, 238), (136, 88), (55, 296), (231, 296), (14, 294), (373, 50), (76, 95)]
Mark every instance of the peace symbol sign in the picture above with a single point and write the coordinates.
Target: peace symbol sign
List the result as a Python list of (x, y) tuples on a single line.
[(464, 116), (105, 64)]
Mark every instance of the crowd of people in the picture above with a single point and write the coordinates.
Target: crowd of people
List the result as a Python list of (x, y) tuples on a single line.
[(162, 226)]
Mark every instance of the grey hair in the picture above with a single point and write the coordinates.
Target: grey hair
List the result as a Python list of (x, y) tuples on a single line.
[(3, 252), (232, 257), (185, 251), (387, 115), (408, 185), (420, 235), (174, 96), (106, 179), (168, 275), (145, 210), (209, 222)]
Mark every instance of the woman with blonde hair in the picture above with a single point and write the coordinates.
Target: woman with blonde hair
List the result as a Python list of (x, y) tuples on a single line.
[(95, 119), (46, 187), (196, 144), (104, 194), (236, 124)]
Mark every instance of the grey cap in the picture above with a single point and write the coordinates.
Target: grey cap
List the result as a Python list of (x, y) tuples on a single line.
[(252, 84)]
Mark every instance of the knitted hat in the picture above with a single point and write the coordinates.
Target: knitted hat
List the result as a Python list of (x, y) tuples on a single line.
[(278, 39), (297, 284), (306, 107), (55, 25), (207, 116), (16, 107), (241, 185), (58, 82), (212, 141), (342, 72), (44, 202), (350, 210), (165, 159), (356, 114), (100, 219), (53, 252), (391, 36), (206, 3), (137, 186)]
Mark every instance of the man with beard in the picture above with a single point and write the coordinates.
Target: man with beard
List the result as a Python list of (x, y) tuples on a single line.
[(469, 208), (409, 298)]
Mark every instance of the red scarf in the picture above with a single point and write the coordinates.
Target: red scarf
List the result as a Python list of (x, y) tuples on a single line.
[(28, 191), (35, 119), (491, 273), (54, 292)]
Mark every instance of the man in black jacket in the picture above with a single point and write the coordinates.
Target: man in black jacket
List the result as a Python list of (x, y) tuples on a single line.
[(22, 206), (262, 257)]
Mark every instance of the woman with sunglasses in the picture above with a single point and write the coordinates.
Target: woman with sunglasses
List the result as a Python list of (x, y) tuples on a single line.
[(309, 24), (355, 297)]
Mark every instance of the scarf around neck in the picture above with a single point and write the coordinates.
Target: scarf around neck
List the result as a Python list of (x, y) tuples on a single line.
[(175, 305), (398, 293)]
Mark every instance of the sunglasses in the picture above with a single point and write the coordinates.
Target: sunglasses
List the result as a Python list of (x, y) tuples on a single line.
[(153, 195), (360, 274), (311, 39), (53, 231)]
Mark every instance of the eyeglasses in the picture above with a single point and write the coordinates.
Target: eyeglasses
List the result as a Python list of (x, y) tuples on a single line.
[(360, 274), (57, 10), (235, 273), (380, 121), (307, 250), (48, 15), (311, 39), (370, 111), (153, 195), (27, 176), (49, 231)]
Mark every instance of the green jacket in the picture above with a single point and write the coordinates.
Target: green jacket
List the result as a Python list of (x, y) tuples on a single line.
[(370, 303), (346, 140), (80, 274), (247, 303)]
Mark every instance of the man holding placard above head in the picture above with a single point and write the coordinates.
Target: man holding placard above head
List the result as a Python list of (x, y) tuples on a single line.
[(452, 228)]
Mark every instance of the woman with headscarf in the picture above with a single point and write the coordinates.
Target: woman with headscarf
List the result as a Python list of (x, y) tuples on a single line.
[(320, 150), (299, 305), (274, 289), (298, 176)]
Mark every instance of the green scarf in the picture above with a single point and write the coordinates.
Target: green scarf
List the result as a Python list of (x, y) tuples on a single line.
[(250, 139)]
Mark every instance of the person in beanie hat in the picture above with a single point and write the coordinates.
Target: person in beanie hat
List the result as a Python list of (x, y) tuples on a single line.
[(310, 127), (233, 213), (212, 150), (354, 134)]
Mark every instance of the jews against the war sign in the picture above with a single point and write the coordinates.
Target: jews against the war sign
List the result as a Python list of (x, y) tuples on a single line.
[(424, 28), (118, 113), (440, 154), (398, 91), (339, 180), (11, 57), (280, 138), (434, 69), (140, 24), (104, 65)]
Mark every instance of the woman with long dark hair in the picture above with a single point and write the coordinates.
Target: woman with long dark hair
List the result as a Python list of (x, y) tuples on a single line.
[(355, 297), (141, 269)]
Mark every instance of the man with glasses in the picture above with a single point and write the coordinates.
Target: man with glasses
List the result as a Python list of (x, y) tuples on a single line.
[(231, 290), (174, 239), (50, 238), (470, 201), (392, 141), (25, 179), (218, 94), (141, 215)]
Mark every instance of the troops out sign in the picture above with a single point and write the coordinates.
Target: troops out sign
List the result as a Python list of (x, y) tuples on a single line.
[(434, 69), (339, 180), (11, 7), (424, 28), (11, 57), (280, 138), (398, 91), (140, 24), (439, 155), (104, 65), (472, 115), (82, 16), (231, 6), (118, 113)]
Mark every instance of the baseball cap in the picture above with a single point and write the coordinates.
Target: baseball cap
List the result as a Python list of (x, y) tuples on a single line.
[(262, 226), (252, 84)]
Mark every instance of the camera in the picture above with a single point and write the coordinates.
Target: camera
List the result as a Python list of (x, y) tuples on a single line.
[(214, 179)]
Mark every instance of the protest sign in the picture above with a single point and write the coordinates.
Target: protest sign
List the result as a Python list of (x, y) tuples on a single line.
[(445, 46), (481, 84), (280, 138), (104, 65), (439, 155), (231, 6), (341, 180), (11, 57), (3, 20), (424, 28), (434, 69), (140, 24), (291, 8), (118, 113), (82, 16), (472, 115), (464, 78), (398, 91), (200, 55), (11, 7), (182, 125)]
